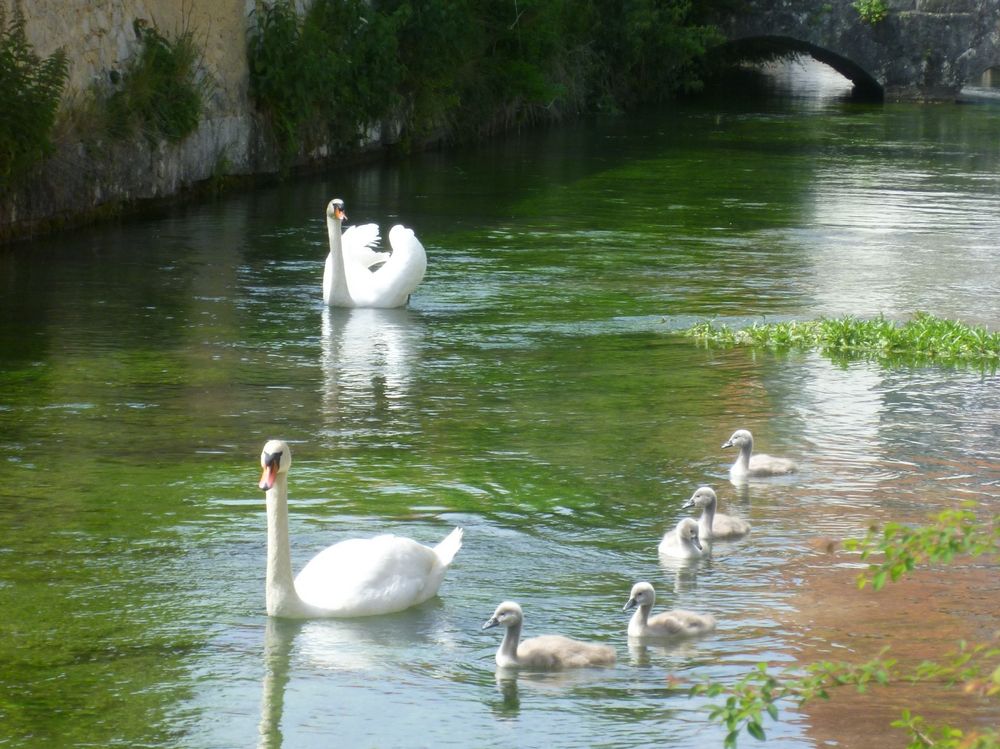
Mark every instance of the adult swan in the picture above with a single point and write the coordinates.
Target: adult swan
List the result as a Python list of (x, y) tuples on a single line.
[(358, 577), (348, 278)]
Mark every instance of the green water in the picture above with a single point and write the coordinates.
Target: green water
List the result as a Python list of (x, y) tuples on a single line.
[(533, 392)]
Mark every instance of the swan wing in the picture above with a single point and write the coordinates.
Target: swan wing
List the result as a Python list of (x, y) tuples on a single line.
[(367, 576), (359, 244), (762, 464), (557, 652), (392, 284)]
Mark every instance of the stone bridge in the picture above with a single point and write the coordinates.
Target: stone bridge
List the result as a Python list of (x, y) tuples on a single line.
[(921, 49)]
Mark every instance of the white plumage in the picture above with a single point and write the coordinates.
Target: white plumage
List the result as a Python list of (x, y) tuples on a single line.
[(357, 577), (349, 276)]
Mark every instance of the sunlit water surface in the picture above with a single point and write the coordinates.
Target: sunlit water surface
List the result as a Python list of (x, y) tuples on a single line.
[(533, 393)]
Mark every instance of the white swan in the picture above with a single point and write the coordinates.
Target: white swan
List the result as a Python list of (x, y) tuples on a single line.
[(682, 542), (358, 577), (754, 465), (348, 278), (714, 524), (676, 623), (544, 653)]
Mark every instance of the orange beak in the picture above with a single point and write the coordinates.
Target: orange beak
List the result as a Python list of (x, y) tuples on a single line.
[(268, 476)]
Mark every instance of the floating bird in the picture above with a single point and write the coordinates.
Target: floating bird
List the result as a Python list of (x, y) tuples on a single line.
[(676, 623), (350, 278), (544, 653), (357, 577)]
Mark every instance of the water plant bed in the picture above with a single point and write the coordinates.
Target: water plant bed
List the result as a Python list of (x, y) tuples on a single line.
[(924, 337)]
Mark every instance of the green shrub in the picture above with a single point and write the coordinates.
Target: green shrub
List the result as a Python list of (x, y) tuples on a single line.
[(160, 94), (333, 71), (465, 67), (871, 11), (30, 90)]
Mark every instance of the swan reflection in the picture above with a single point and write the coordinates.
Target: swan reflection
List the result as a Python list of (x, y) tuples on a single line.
[(367, 357), (370, 646)]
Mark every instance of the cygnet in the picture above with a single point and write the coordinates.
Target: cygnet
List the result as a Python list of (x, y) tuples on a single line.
[(682, 542), (544, 653), (676, 623), (714, 524), (748, 465)]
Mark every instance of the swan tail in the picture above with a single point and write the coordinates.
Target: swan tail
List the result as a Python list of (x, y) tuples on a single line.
[(448, 548)]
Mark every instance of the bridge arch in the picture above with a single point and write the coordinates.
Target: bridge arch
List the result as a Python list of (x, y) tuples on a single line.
[(921, 49), (771, 46)]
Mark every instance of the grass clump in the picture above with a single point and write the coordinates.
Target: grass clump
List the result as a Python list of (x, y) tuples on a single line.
[(30, 91), (923, 337), (160, 94)]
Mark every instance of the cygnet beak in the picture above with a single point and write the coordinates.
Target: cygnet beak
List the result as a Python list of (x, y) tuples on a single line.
[(491, 622), (630, 605)]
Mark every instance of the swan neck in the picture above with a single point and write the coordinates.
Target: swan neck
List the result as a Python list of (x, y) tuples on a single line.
[(508, 648), (708, 515), (641, 616), (280, 596), (743, 461), (339, 281)]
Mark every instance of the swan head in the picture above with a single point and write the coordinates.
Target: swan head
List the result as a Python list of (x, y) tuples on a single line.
[(687, 532), (275, 458), (740, 437), (703, 497), (507, 614), (335, 210), (642, 595)]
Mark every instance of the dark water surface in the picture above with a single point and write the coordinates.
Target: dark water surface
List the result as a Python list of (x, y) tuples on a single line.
[(534, 393)]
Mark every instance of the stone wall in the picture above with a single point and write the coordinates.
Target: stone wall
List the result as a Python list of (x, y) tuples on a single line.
[(84, 179), (923, 49)]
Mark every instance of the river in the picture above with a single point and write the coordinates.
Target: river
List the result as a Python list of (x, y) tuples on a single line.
[(534, 392)]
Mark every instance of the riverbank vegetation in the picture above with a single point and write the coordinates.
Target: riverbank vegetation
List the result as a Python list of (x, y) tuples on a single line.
[(924, 337), (431, 68), (159, 94), (30, 90)]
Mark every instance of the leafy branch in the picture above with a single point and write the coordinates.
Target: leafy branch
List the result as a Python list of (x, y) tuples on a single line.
[(30, 91), (760, 692), (901, 548), (892, 552)]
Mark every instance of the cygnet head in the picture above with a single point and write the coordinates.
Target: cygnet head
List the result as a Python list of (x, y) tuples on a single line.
[(275, 458), (703, 497), (642, 595), (507, 614), (739, 438), (687, 531), (335, 210)]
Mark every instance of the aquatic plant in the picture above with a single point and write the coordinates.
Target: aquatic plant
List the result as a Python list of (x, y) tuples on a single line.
[(30, 90), (892, 552), (923, 337), (160, 92)]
